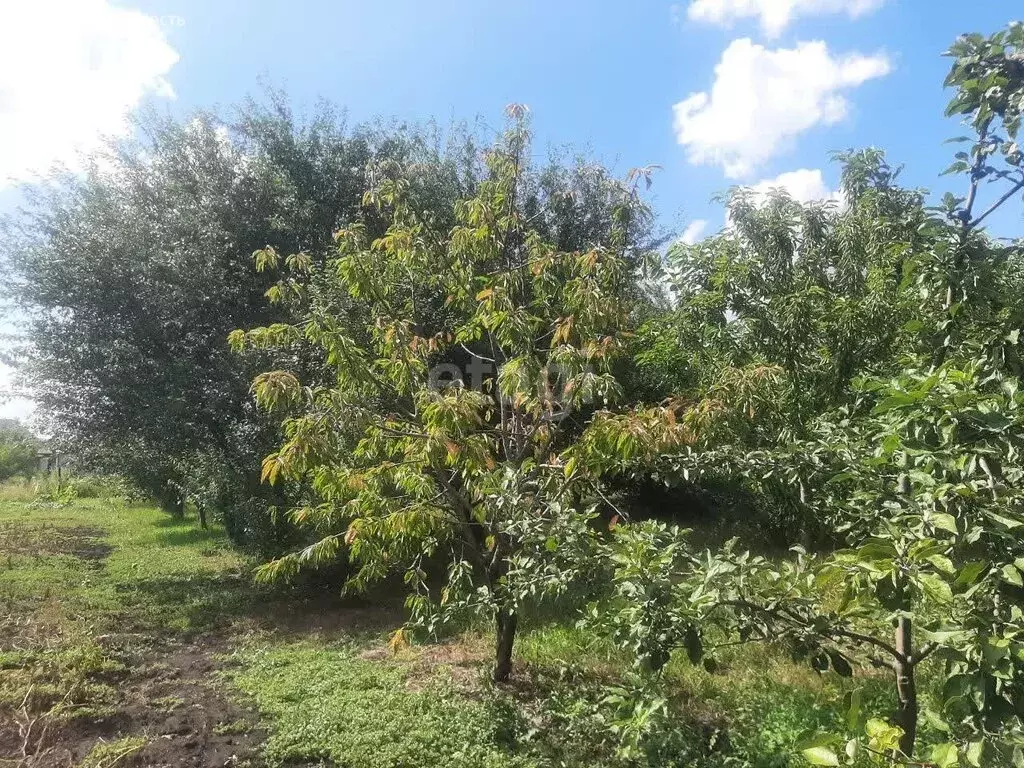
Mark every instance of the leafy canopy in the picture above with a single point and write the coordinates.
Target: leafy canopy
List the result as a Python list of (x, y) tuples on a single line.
[(864, 372), (473, 408)]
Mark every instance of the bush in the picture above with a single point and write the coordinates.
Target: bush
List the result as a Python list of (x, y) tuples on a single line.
[(19, 450)]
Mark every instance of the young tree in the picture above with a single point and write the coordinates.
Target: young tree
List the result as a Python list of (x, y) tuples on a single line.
[(917, 470), (473, 408)]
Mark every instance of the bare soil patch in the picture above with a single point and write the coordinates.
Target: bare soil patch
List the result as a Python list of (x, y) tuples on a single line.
[(165, 687), (169, 695)]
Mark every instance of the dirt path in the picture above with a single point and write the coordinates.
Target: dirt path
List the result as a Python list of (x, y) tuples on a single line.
[(171, 695), (149, 698)]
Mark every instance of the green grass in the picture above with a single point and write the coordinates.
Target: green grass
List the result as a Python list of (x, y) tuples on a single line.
[(160, 571), (350, 703), (85, 584), (326, 703), (332, 695), (107, 754)]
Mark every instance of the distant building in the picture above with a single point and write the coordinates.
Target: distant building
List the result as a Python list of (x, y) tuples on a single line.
[(50, 461)]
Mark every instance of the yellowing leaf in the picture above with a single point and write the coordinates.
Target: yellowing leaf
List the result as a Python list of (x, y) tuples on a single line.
[(398, 641), (820, 756)]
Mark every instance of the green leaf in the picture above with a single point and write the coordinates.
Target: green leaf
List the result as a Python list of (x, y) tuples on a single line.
[(821, 756), (942, 563), (1012, 575), (923, 478), (935, 587), (876, 728), (944, 636), (1007, 522), (854, 699), (935, 721), (974, 753), (944, 521), (877, 550), (970, 573), (900, 400), (945, 755), (852, 749)]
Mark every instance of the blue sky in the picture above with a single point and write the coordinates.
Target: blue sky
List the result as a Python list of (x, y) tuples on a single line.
[(603, 75), (784, 82), (599, 75)]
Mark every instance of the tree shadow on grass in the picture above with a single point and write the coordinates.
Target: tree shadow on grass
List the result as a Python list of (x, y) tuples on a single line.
[(208, 602), (311, 603), (177, 532), (197, 602)]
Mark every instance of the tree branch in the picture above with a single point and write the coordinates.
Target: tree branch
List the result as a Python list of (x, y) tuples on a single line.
[(830, 634), (991, 209)]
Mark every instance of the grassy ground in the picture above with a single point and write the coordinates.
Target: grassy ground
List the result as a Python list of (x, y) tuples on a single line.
[(128, 638), (109, 615)]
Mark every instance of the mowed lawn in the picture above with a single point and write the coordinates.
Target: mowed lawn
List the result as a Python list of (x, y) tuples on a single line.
[(131, 638)]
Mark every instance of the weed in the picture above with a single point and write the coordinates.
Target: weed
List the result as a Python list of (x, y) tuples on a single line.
[(169, 703), (56, 495), (235, 726), (326, 703), (107, 754)]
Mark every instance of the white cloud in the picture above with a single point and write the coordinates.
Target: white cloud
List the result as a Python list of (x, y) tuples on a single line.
[(775, 15), (762, 99), (70, 71), (804, 185), (693, 231)]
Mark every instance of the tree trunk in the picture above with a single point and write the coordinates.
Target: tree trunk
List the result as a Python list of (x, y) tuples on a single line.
[(506, 634), (172, 504), (201, 512), (906, 687)]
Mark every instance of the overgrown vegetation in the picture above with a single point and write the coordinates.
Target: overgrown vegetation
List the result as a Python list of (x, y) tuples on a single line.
[(19, 450), (474, 383), (101, 601)]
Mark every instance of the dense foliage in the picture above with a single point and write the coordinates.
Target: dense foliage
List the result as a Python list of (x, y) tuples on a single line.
[(133, 274), (469, 370), (865, 370), (481, 409), (19, 450)]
